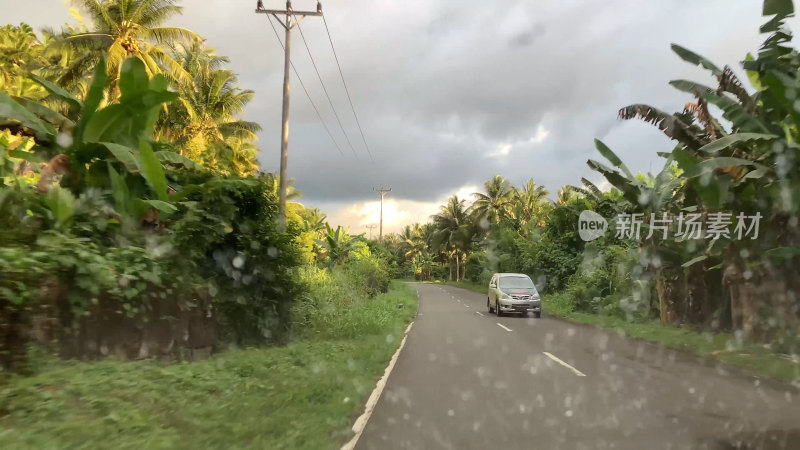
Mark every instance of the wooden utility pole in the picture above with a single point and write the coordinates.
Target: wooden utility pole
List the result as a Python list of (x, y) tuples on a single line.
[(371, 227), (287, 25), (381, 192)]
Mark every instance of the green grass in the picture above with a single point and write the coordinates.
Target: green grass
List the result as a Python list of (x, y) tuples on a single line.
[(304, 395), (720, 346)]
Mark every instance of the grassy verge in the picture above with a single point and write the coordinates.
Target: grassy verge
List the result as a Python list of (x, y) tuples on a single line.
[(300, 396), (720, 346)]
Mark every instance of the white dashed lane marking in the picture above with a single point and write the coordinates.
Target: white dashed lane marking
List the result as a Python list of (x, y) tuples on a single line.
[(503, 326), (554, 358)]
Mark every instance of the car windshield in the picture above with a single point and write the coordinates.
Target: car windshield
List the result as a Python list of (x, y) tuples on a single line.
[(166, 265), (516, 283)]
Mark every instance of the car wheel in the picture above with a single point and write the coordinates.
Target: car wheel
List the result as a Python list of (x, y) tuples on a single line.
[(489, 305), (537, 314), (497, 309)]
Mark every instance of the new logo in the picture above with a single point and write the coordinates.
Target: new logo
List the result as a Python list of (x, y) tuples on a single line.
[(591, 225)]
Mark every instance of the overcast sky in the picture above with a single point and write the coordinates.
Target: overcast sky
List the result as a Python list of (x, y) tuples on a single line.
[(450, 93)]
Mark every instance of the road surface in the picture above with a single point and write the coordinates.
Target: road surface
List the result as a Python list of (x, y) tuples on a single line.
[(467, 379)]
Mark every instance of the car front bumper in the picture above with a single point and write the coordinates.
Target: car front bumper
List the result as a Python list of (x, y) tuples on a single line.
[(521, 307)]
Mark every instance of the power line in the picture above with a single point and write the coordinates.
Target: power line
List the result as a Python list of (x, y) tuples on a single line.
[(306, 90), (316, 69), (358, 122)]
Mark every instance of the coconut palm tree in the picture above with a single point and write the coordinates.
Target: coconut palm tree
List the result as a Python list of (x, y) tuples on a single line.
[(21, 52), (412, 243), (529, 203), (120, 29), (204, 125), (452, 231), (495, 203), (239, 156), (567, 194)]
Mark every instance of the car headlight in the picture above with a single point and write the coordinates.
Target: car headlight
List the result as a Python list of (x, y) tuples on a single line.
[(504, 296)]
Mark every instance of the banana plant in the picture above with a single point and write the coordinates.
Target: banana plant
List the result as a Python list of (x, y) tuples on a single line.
[(749, 166), (108, 147), (337, 243), (652, 196)]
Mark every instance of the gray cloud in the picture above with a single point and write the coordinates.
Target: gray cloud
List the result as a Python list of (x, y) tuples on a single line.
[(441, 86), (526, 38)]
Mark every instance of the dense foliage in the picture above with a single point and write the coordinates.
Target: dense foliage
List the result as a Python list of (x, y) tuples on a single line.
[(128, 193)]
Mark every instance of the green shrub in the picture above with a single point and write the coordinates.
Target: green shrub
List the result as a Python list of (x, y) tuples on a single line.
[(342, 301), (231, 235), (610, 281), (372, 271)]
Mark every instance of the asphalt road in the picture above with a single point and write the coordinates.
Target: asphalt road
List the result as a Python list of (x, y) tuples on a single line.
[(467, 379)]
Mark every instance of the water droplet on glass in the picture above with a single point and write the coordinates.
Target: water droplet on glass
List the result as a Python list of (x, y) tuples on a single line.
[(64, 139)]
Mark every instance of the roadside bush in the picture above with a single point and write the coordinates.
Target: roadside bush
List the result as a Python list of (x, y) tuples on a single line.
[(604, 283), (231, 234), (340, 302), (372, 271)]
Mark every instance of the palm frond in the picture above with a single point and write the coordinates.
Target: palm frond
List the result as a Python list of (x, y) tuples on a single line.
[(670, 125), (170, 34), (171, 68), (729, 82), (99, 13)]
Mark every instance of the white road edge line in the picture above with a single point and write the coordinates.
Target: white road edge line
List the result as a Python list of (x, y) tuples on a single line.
[(554, 358), (361, 422), (480, 313), (467, 306), (503, 326)]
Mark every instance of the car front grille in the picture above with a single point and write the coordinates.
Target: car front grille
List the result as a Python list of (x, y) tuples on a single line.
[(521, 297)]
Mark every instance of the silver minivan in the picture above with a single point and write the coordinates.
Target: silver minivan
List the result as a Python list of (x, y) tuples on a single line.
[(513, 293)]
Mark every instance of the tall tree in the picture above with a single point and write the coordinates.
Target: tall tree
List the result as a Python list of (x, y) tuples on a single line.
[(205, 125), (493, 205), (120, 29), (21, 52), (452, 231), (529, 203)]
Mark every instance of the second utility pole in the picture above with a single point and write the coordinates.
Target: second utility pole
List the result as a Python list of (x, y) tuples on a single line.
[(382, 192), (371, 227), (284, 177)]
